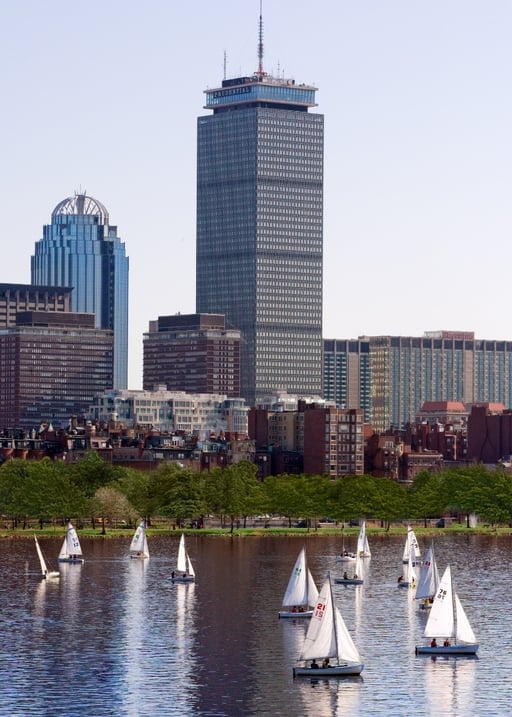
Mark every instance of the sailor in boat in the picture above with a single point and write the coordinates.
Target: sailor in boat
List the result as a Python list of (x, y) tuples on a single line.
[(345, 575), (446, 643), (314, 664), (326, 663), (434, 642), (401, 579)]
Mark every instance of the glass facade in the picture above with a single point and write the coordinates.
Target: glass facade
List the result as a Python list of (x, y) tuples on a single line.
[(260, 233), (407, 371), (81, 250)]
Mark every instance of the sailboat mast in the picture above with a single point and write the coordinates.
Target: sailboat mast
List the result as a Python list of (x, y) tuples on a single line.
[(335, 622), (454, 608)]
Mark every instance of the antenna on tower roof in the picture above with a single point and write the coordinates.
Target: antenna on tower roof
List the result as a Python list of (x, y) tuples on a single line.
[(224, 65), (260, 72)]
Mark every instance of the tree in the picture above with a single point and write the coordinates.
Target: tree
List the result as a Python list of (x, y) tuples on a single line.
[(108, 503)]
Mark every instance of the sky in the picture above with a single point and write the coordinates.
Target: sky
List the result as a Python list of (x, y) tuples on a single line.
[(103, 97)]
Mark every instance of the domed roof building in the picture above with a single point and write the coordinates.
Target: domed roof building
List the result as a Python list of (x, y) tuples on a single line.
[(82, 250)]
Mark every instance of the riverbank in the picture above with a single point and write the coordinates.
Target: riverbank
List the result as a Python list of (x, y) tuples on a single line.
[(375, 531)]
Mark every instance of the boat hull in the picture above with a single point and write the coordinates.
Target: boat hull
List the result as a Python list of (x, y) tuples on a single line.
[(460, 649), (183, 579), (346, 558), (348, 581), (296, 614), (341, 670), (71, 560), (51, 575)]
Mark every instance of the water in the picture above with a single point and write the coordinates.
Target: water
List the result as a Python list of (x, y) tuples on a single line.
[(115, 637)]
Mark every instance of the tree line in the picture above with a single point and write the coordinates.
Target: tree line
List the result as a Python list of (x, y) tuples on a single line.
[(53, 490)]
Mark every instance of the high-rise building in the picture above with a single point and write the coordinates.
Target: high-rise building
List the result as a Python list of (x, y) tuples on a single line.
[(398, 374), (260, 227), (81, 249), (346, 379), (193, 353), (52, 364), (26, 297)]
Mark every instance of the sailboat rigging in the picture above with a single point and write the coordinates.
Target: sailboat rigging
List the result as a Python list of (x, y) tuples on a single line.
[(71, 551), (328, 639), (448, 622), (185, 571), (301, 592), (428, 580), (44, 569), (139, 545)]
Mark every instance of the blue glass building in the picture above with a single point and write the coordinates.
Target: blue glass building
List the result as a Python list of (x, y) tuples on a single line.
[(260, 228), (81, 250)]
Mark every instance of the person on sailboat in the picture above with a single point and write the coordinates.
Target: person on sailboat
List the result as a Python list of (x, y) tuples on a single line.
[(326, 662), (314, 664), (446, 643), (434, 642)]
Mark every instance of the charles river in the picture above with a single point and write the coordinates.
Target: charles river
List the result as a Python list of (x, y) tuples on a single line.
[(116, 637)]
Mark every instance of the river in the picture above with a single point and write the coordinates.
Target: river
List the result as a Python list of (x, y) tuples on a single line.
[(116, 637)]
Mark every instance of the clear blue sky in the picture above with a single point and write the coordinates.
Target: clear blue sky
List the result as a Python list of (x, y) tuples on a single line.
[(104, 96)]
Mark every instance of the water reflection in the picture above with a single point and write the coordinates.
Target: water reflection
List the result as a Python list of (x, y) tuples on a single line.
[(450, 684), (115, 637), (330, 697), (134, 619)]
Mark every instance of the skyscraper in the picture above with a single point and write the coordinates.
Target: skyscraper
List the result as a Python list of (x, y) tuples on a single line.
[(260, 227), (81, 250)]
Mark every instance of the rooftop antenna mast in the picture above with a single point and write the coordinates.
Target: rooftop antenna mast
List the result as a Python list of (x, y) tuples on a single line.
[(224, 65), (260, 72)]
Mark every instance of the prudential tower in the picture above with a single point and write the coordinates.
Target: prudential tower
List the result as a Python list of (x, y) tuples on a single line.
[(80, 249), (260, 226)]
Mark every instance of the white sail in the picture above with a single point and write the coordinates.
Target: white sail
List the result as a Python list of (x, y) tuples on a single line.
[(139, 544), (190, 568), (429, 577), (185, 570), (71, 545), (346, 647), (44, 569), (297, 590), (327, 635), (363, 547), (312, 590), (411, 570), (464, 631), (447, 617), (411, 540), (182, 556), (42, 561)]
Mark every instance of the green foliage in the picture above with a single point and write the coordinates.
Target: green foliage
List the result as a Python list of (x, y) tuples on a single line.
[(175, 492), (39, 489), (50, 490)]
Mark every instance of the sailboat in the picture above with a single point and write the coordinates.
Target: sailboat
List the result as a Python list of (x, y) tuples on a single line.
[(447, 621), (409, 579), (44, 569), (139, 544), (328, 639), (357, 577), (71, 551), (410, 540), (428, 580), (301, 592), (185, 571), (363, 547), (345, 556)]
